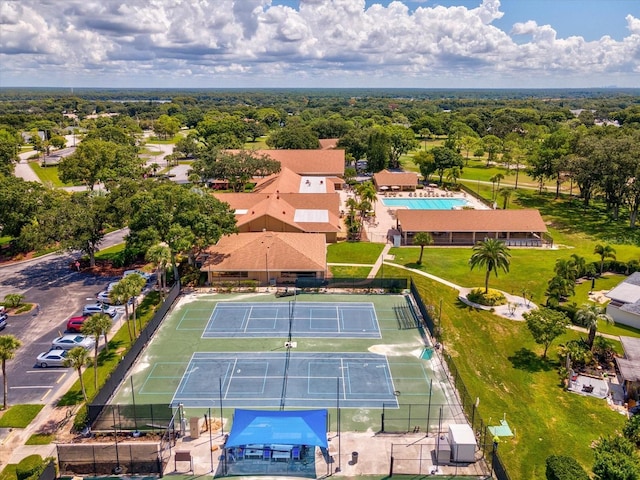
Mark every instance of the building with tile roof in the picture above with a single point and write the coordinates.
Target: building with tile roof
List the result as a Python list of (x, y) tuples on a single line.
[(287, 181), (325, 163), (286, 212), (267, 257), (389, 180), (524, 228)]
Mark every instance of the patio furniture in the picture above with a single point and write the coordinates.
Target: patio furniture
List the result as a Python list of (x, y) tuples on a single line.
[(295, 453)]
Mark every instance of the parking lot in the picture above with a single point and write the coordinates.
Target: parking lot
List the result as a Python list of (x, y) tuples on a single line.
[(59, 293)]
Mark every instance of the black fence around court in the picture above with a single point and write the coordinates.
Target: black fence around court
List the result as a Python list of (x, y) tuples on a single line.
[(115, 379), (389, 284)]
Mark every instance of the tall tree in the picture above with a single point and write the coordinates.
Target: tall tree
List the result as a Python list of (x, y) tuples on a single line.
[(134, 284), (546, 325), (445, 158), (160, 256), (291, 137), (604, 252), (423, 239), (96, 326), (588, 316), (378, 151), (238, 168), (166, 126), (9, 344), (78, 358), (401, 141), (491, 254), (186, 219), (9, 143)]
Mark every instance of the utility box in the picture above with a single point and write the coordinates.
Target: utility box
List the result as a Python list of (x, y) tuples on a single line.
[(444, 450), (462, 442), (195, 425)]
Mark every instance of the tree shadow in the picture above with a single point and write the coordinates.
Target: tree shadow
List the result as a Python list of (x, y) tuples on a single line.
[(72, 397), (525, 359)]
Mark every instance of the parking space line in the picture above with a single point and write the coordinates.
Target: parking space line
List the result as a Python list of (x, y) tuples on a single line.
[(30, 386), (62, 375), (45, 395)]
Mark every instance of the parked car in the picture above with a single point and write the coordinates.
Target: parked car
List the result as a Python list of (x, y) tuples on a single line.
[(93, 308), (74, 324), (70, 340), (3, 320), (145, 275), (52, 358)]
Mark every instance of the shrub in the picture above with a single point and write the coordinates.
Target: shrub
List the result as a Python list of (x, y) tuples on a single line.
[(490, 299), (12, 300), (564, 468)]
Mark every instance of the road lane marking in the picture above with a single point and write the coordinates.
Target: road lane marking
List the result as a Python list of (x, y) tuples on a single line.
[(45, 395)]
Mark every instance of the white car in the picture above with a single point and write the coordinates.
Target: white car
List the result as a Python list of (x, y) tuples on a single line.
[(93, 308), (145, 275), (52, 358), (67, 342)]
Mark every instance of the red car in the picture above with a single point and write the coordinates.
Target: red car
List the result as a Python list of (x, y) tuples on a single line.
[(74, 324)]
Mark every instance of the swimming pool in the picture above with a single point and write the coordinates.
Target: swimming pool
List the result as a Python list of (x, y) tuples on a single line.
[(425, 203)]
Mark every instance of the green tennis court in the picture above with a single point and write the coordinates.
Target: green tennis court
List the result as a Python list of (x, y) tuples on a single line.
[(362, 374)]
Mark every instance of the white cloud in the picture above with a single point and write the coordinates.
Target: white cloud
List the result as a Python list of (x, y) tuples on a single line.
[(323, 43)]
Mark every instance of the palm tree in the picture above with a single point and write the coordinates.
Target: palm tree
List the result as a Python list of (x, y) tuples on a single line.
[(134, 285), (588, 316), (78, 358), (423, 239), (580, 263), (566, 269), (505, 194), (605, 251), (8, 346), (96, 326), (120, 295), (491, 254), (495, 180), (160, 256), (453, 174)]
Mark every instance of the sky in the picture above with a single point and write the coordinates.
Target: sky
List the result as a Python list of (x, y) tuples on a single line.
[(320, 43)]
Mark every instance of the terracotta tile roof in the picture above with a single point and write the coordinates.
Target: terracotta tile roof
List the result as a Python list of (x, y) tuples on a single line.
[(328, 162), (287, 181), (470, 220), (388, 179), (251, 206), (282, 251)]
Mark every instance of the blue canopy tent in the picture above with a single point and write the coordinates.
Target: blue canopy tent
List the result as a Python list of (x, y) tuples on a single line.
[(299, 427)]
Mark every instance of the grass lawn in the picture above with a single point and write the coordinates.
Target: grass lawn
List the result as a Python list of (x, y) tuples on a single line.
[(9, 472), (506, 372), (19, 416), (168, 141), (5, 240), (110, 253), (259, 144), (149, 152), (40, 439), (349, 272), (48, 175), (354, 252)]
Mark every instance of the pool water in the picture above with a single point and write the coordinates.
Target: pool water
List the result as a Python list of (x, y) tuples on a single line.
[(425, 203)]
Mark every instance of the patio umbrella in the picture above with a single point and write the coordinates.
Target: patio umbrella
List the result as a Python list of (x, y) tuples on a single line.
[(395, 187), (384, 187)]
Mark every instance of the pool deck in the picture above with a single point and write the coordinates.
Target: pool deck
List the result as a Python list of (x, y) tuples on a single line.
[(384, 227)]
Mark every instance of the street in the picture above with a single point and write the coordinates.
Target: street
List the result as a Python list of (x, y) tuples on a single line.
[(59, 293)]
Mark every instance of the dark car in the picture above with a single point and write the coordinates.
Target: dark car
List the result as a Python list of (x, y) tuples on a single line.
[(3, 320)]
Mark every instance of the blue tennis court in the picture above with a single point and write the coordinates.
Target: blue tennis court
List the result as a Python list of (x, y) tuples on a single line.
[(300, 319), (318, 380)]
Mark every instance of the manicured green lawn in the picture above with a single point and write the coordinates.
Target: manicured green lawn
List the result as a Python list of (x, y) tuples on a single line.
[(349, 272), (354, 252), (19, 416), (502, 367), (149, 151), (48, 175), (110, 253), (40, 439), (168, 141), (9, 472)]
